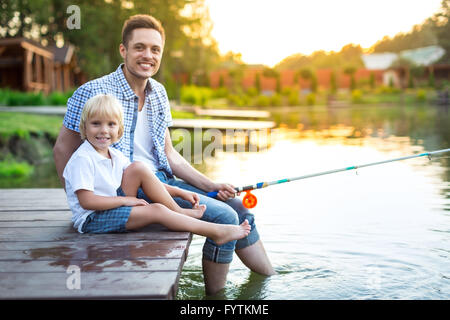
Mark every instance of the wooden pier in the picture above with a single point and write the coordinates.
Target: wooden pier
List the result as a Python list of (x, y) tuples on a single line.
[(43, 257)]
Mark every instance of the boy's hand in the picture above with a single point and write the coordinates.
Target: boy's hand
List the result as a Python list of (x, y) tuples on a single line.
[(133, 202), (192, 197)]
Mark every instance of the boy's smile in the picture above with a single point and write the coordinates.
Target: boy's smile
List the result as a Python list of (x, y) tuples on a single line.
[(101, 132)]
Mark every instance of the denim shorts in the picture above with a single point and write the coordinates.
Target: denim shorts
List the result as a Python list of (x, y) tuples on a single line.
[(111, 220), (229, 212)]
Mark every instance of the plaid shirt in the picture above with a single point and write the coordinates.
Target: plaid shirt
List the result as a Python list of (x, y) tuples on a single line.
[(115, 84)]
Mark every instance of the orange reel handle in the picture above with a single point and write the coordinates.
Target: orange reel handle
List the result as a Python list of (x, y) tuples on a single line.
[(249, 201)]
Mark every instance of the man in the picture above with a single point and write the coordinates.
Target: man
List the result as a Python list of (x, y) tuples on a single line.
[(147, 138)]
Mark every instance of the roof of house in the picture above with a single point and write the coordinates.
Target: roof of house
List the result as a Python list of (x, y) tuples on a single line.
[(422, 56), (63, 54)]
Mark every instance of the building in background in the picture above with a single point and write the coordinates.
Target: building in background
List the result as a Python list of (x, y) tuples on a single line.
[(26, 65)]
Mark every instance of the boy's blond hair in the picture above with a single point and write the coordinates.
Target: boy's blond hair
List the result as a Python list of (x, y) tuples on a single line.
[(104, 106)]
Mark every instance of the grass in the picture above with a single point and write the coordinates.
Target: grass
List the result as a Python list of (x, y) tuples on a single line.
[(22, 125), (13, 169)]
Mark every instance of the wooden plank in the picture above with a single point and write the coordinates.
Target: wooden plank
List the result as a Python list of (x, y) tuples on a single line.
[(33, 199), (118, 265), (38, 223), (31, 194), (86, 242), (35, 215), (38, 243), (169, 249), (69, 234), (98, 285)]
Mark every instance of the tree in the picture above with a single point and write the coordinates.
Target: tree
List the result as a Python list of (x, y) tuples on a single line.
[(372, 80), (350, 71), (442, 29), (258, 82), (333, 82), (186, 22)]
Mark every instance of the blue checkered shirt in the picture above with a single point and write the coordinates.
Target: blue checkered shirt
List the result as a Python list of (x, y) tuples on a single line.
[(115, 84)]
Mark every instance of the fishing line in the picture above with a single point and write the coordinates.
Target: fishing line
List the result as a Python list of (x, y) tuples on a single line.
[(250, 201)]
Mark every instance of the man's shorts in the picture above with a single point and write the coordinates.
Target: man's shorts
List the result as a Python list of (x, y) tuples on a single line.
[(111, 220)]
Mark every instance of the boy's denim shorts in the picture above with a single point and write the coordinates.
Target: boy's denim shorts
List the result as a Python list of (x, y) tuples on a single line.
[(109, 221), (229, 212)]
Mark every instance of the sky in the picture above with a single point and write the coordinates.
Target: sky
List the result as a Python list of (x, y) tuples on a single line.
[(266, 32)]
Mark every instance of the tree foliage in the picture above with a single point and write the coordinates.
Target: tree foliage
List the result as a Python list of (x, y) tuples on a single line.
[(349, 54), (186, 22)]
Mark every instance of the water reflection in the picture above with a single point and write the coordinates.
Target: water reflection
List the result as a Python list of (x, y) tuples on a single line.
[(383, 233)]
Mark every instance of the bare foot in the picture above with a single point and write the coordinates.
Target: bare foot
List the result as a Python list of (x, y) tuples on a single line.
[(229, 232), (196, 212)]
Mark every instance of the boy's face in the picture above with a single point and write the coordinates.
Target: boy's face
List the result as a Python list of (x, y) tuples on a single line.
[(142, 56), (101, 132)]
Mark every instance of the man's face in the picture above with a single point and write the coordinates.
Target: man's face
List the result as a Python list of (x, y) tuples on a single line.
[(143, 54)]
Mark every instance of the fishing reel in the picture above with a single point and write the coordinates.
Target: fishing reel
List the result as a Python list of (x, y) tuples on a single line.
[(249, 201)]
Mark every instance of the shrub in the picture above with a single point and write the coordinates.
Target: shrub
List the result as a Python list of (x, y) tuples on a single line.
[(13, 169), (275, 100), (252, 92), (311, 99), (16, 98), (357, 96), (195, 95), (293, 99), (421, 95), (57, 99), (262, 101), (220, 93)]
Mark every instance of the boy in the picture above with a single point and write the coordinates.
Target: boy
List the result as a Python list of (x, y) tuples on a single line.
[(102, 185)]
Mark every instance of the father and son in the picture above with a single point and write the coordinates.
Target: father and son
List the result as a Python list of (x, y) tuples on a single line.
[(114, 155)]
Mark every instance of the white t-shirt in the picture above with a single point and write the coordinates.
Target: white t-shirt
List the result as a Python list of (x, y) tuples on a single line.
[(87, 169), (143, 144)]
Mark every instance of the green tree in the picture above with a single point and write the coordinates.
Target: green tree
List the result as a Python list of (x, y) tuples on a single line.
[(350, 71), (372, 80), (442, 29), (333, 82), (258, 82), (186, 22)]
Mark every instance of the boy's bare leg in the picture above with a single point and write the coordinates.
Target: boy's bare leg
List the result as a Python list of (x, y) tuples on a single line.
[(137, 175), (141, 216)]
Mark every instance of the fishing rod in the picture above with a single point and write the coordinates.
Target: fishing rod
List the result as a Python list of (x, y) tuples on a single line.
[(249, 200)]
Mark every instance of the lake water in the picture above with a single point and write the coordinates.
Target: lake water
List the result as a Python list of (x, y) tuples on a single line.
[(382, 232)]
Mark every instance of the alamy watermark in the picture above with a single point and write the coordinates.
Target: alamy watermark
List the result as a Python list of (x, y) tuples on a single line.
[(199, 144), (74, 20), (73, 282)]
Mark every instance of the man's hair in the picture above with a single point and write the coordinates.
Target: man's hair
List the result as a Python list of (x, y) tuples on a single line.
[(104, 106), (140, 21)]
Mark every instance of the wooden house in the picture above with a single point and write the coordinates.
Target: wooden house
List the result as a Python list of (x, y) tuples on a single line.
[(26, 65)]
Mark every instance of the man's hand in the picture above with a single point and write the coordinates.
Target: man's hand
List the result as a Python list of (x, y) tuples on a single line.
[(226, 191)]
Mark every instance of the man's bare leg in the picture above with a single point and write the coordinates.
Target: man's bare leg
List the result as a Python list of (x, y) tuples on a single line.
[(256, 259), (214, 276)]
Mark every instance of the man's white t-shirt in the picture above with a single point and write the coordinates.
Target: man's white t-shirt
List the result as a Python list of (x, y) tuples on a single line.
[(143, 144), (89, 170)]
